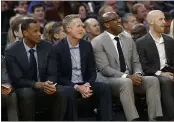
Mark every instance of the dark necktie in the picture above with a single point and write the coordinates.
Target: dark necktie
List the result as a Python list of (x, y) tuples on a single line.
[(121, 56), (33, 65)]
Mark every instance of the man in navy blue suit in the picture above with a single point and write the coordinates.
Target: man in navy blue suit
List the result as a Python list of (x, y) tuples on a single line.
[(76, 69), (31, 68)]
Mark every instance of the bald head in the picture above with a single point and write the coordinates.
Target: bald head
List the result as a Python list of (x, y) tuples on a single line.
[(90, 21), (153, 15), (156, 21), (108, 16)]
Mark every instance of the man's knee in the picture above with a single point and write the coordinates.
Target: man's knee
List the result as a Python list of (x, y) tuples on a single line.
[(152, 81), (125, 83), (25, 93)]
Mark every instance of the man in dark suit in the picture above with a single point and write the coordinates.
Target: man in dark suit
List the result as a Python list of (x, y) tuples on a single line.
[(31, 69), (7, 96), (76, 69), (156, 51)]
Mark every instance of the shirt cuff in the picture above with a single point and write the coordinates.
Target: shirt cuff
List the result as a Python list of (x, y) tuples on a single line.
[(124, 76), (139, 73), (75, 86), (158, 73)]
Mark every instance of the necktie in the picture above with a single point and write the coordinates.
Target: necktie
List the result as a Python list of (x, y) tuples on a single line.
[(33, 65), (121, 56)]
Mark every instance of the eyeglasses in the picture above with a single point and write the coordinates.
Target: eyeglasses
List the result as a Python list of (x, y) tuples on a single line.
[(114, 19)]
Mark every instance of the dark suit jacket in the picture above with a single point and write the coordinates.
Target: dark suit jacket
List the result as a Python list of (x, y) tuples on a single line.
[(64, 65), (4, 73), (19, 67), (149, 55)]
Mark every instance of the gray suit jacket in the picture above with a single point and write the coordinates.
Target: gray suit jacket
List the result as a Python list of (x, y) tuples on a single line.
[(107, 59)]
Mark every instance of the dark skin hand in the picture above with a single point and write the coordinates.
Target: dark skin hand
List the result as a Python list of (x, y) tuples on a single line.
[(136, 79)]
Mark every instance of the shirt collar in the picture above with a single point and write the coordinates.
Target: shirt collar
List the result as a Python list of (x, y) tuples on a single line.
[(72, 47), (157, 41), (126, 33), (28, 48), (111, 35)]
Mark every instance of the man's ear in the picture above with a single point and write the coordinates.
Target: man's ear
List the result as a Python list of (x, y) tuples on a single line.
[(25, 33), (68, 29), (106, 25), (125, 25)]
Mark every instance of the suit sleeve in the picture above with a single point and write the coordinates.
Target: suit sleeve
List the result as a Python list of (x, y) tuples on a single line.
[(4, 73), (102, 61), (143, 59), (91, 65), (52, 69), (16, 73), (135, 60)]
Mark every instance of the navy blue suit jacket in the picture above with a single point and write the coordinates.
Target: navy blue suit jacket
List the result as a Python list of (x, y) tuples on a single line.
[(64, 65)]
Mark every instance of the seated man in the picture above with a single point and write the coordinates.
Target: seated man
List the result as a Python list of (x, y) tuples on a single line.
[(156, 51), (31, 67), (76, 69), (7, 96), (118, 62)]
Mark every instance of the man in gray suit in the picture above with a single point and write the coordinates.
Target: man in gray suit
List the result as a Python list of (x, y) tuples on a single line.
[(118, 62), (8, 97)]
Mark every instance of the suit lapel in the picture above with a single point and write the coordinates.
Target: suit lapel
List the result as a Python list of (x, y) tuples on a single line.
[(152, 45), (82, 54), (40, 56), (125, 47), (110, 46), (23, 56), (67, 53), (166, 47)]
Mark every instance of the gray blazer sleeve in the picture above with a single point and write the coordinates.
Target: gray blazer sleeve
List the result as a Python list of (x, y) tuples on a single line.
[(135, 62), (4, 74)]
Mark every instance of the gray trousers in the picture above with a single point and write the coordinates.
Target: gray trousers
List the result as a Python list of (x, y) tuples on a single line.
[(167, 97), (124, 88), (10, 103)]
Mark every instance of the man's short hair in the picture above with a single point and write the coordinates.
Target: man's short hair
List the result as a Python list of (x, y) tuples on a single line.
[(26, 23), (135, 8), (124, 19), (68, 19), (37, 6)]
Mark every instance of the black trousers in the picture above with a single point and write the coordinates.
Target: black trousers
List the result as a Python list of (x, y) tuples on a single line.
[(167, 96), (9, 102), (28, 97), (102, 96)]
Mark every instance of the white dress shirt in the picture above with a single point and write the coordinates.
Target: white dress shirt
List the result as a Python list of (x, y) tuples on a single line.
[(161, 51)]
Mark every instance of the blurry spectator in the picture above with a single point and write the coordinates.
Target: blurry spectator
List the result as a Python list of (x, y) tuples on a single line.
[(21, 7), (8, 98), (105, 8), (124, 7), (140, 12), (46, 32), (38, 13), (6, 14), (92, 27), (54, 32), (168, 20), (57, 13), (172, 29), (14, 32), (4, 5), (82, 10), (113, 4), (128, 21), (149, 5), (138, 31)]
